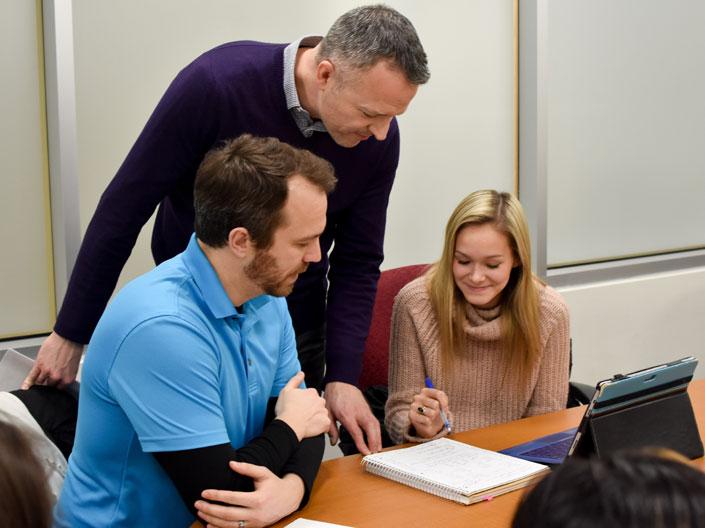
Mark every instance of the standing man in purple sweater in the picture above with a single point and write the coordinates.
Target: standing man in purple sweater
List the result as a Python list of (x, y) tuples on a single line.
[(335, 96)]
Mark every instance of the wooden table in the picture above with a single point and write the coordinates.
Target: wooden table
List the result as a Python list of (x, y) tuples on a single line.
[(346, 494)]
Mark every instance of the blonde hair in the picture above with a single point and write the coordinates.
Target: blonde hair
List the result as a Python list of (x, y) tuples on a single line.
[(519, 310)]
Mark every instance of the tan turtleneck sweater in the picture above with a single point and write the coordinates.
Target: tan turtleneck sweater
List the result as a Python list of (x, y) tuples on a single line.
[(478, 393)]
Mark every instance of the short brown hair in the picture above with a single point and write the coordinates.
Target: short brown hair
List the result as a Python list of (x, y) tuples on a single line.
[(24, 493), (244, 183)]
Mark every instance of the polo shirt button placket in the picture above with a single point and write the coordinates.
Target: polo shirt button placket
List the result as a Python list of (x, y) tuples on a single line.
[(236, 322), (251, 379)]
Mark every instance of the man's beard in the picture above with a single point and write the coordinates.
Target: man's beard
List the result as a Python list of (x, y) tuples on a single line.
[(264, 272)]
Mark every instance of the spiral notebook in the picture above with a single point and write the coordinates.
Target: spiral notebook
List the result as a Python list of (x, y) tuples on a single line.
[(454, 470)]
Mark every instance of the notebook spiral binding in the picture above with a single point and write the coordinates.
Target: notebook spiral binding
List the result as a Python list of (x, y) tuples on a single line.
[(423, 484)]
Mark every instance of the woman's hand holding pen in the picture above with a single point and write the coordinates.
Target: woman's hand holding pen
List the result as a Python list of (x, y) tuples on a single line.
[(425, 412)]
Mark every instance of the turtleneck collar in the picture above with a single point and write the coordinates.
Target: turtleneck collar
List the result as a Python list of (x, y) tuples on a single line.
[(482, 323)]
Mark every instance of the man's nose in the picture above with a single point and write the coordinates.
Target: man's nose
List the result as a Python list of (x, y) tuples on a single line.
[(380, 128), (313, 252)]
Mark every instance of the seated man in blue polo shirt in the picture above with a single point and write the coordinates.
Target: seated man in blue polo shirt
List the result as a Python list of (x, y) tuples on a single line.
[(194, 364)]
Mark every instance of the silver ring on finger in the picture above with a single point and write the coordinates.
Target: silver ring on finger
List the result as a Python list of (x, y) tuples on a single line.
[(241, 524), (420, 409)]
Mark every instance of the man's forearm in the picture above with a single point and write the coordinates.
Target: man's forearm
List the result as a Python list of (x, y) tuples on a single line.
[(195, 470), (305, 462)]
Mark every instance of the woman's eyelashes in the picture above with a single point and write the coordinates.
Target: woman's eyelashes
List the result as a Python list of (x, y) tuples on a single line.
[(464, 262)]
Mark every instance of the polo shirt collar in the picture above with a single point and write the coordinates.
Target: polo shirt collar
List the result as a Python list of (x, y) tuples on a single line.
[(211, 288), (207, 281)]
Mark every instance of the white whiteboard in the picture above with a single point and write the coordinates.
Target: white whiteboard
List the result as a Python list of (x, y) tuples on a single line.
[(26, 287), (626, 134)]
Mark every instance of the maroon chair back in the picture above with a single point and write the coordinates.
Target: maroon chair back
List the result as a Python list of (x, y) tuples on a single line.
[(375, 363)]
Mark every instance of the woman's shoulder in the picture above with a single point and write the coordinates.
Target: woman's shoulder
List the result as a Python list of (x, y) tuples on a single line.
[(414, 290), (413, 296), (551, 303)]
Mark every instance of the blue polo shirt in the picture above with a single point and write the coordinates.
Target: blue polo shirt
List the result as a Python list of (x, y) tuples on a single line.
[(172, 365)]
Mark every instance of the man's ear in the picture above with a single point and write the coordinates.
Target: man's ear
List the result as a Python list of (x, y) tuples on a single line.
[(239, 241), (325, 70)]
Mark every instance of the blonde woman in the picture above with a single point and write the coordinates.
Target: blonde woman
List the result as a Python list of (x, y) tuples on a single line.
[(491, 338)]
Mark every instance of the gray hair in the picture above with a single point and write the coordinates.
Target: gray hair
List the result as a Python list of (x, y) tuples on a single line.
[(365, 35)]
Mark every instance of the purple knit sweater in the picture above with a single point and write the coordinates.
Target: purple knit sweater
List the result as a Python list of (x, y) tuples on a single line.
[(233, 89)]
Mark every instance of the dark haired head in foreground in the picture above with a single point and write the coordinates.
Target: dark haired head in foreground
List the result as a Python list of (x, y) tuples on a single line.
[(630, 490), (24, 492)]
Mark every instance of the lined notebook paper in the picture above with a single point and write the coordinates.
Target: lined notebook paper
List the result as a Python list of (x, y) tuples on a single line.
[(454, 470)]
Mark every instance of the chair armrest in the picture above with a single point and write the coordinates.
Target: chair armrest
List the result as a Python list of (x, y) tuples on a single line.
[(579, 393)]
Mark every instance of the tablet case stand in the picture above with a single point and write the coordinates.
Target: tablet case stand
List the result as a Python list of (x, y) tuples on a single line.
[(666, 422)]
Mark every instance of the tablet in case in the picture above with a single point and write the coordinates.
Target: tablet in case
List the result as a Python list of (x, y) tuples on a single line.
[(646, 408), (649, 408), (666, 422)]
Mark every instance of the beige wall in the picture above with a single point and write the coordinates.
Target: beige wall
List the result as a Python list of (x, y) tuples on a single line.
[(621, 326)]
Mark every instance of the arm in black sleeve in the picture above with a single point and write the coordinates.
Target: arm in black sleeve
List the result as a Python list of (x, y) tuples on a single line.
[(277, 448), (305, 461), (195, 470)]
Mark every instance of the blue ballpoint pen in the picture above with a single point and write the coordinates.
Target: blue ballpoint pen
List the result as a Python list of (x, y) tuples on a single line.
[(429, 385)]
